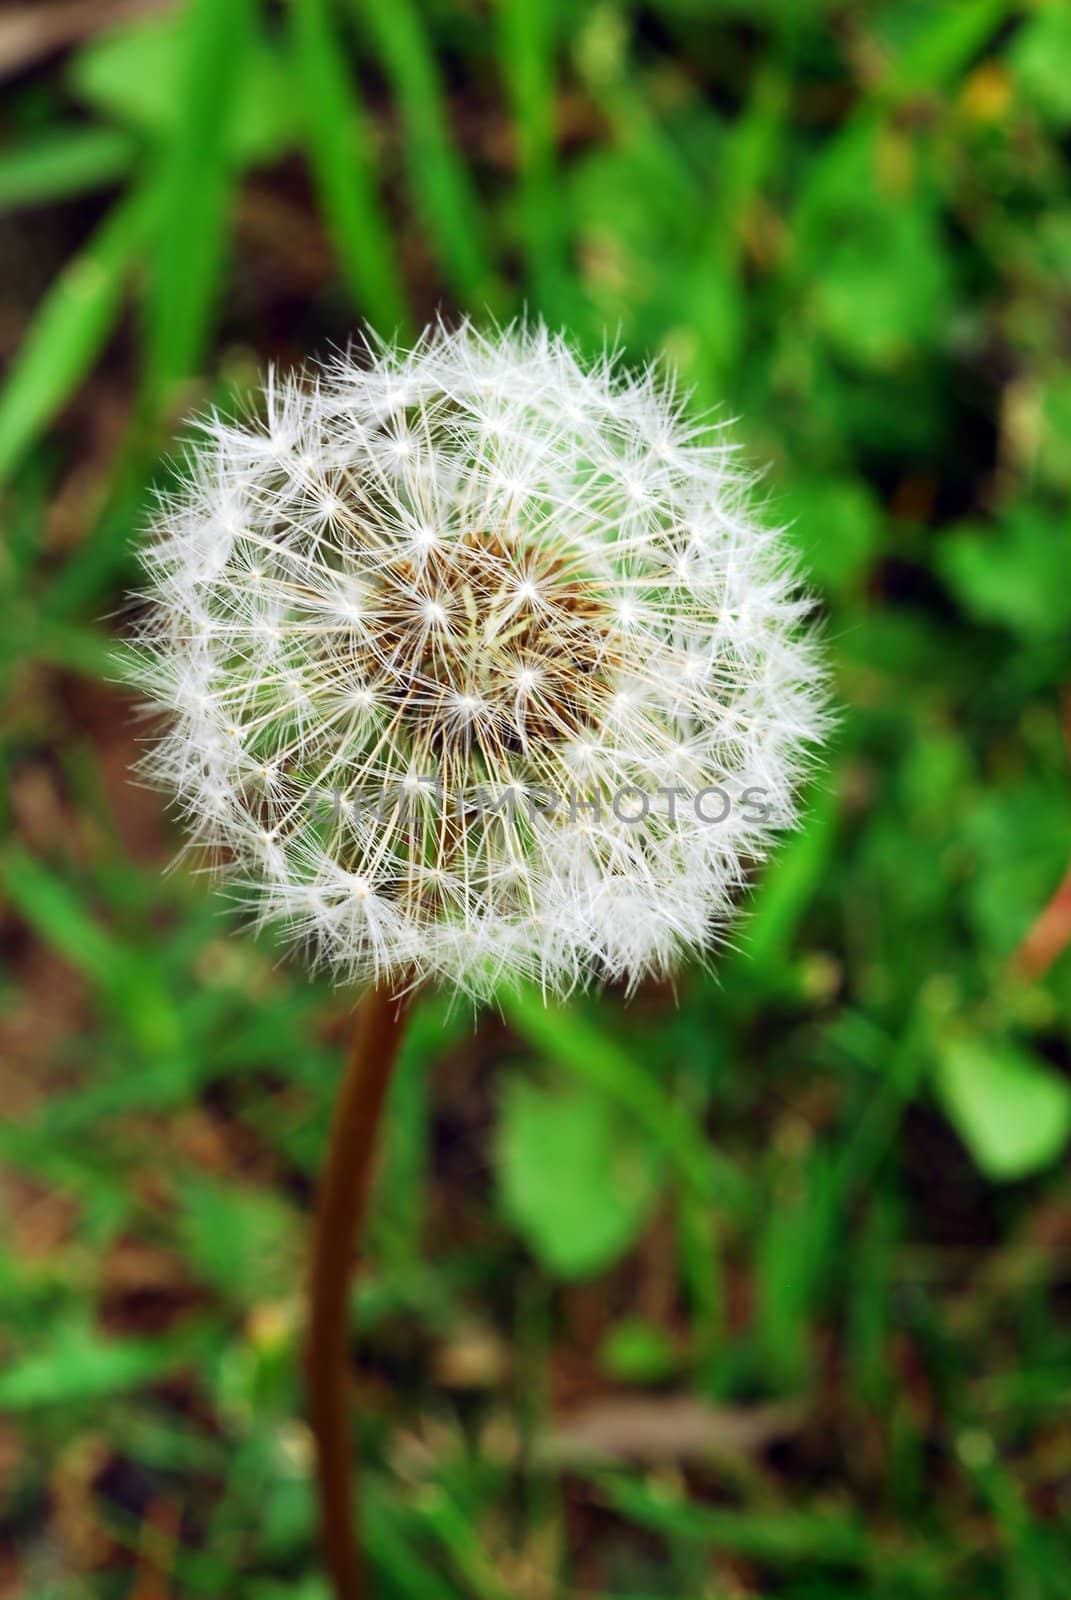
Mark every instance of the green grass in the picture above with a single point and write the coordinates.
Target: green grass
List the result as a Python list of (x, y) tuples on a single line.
[(341, 159), (821, 1198), (445, 200), (195, 185)]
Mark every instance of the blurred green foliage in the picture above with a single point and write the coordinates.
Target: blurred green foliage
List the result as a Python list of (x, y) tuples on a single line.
[(818, 1193)]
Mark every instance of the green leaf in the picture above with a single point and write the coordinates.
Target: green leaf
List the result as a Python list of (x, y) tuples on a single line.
[(882, 289), (638, 216), (136, 76), (789, 884), (574, 1183), (635, 1351), (776, 1536), (127, 977), (310, 1588), (58, 916), (599, 1062), (69, 329), (717, 300), (1040, 58), (835, 524), (1015, 574), (1019, 837), (1054, 431), (80, 1364), (240, 1239), (940, 41), (1012, 1111), (794, 1253)]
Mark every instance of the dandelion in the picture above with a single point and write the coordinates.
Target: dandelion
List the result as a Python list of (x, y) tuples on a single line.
[(491, 604), (475, 567)]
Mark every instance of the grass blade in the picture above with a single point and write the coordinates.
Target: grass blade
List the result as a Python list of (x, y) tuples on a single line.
[(751, 147), (77, 1365), (66, 161), (127, 979), (70, 328), (340, 156), (526, 43), (195, 184), (441, 183)]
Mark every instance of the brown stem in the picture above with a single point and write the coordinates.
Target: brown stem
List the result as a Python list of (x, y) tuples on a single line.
[(340, 1210), (1047, 937), (1050, 933)]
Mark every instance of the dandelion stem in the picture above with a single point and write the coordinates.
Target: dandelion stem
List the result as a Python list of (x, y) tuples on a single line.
[(341, 1206)]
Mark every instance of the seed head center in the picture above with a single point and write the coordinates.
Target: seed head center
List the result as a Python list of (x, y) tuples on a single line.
[(491, 641)]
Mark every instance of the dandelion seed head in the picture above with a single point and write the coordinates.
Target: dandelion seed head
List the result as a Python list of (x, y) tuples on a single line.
[(476, 565)]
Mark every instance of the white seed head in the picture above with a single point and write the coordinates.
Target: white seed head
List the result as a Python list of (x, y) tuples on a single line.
[(476, 568)]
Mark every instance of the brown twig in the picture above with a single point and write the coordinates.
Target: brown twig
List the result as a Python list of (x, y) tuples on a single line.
[(666, 1428), (1050, 933), (340, 1211), (156, 1552)]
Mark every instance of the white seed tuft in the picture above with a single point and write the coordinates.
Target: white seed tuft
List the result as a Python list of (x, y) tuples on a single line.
[(433, 578)]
